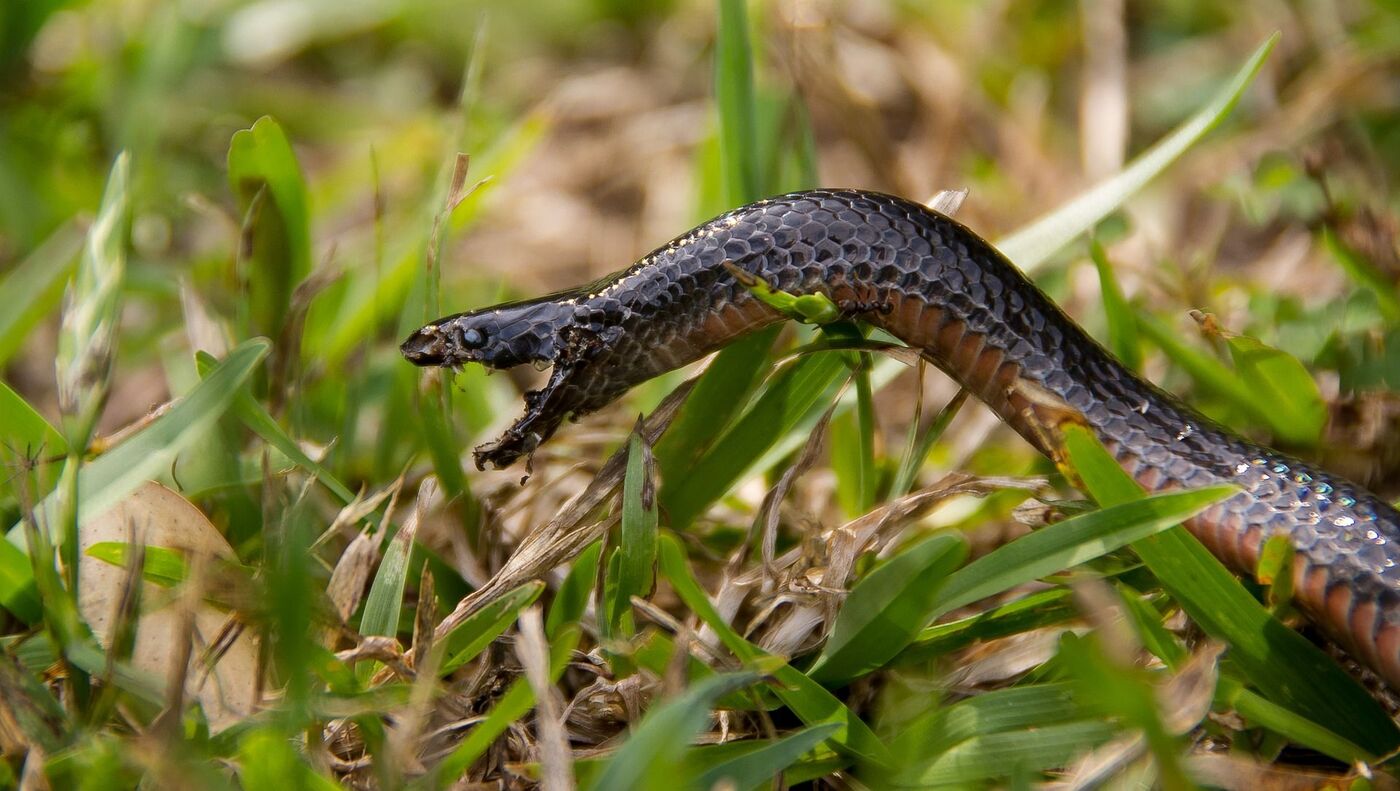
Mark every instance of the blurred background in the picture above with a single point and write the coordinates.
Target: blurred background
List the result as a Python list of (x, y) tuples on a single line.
[(292, 176), (592, 127)]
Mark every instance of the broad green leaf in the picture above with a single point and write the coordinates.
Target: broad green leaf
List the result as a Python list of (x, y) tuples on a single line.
[(1034, 244), (572, 599), (649, 757), (1287, 668), (1069, 543), (475, 633), (144, 456), (811, 702), (267, 181), (34, 288), (1281, 386), (760, 764), (887, 608)]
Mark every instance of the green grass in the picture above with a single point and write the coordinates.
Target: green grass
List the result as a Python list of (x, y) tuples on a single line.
[(817, 572)]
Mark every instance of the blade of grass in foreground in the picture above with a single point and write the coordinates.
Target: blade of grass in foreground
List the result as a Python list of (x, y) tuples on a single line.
[(794, 392), (1071, 542), (887, 607), (144, 456), (508, 709), (1281, 663)]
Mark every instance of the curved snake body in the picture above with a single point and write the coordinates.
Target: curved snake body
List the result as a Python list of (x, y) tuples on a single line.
[(940, 288)]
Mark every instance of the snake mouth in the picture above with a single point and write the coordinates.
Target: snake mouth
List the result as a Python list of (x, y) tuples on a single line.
[(426, 346)]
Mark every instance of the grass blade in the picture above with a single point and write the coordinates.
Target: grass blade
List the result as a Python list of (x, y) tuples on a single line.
[(1122, 327), (469, 639), (1282, 387), (637, 561), (1032, 245), (23, 430), (264, 175), (887, 608), (996, 755), (794, 393), (1071, 542), (764, 762)]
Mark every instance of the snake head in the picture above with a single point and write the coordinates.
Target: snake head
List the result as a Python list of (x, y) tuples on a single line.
[(501, 336)]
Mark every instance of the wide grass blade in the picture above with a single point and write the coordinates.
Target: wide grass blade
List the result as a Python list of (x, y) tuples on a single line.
[(1007, 754), (1280, 381), (1071, 542), (887, 608), (999, 711), (1281, 663), (1034, 244)]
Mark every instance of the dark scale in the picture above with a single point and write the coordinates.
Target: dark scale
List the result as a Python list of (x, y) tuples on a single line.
[(920, 275)]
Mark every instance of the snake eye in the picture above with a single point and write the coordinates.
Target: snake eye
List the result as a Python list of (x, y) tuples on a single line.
[(473, 338)]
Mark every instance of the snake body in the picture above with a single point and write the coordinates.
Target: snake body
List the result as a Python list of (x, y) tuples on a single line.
[(940, 288)]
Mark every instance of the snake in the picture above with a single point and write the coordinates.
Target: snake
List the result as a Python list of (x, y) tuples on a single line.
[(941, 289)]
